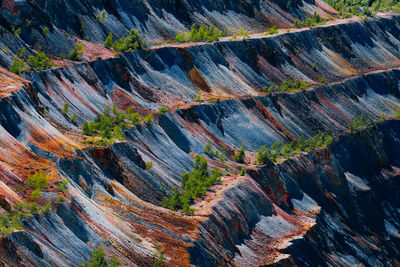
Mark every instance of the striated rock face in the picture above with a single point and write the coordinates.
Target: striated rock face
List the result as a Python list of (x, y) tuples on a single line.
[(70, 21), (156, 19), (334, 206), (170, 76)]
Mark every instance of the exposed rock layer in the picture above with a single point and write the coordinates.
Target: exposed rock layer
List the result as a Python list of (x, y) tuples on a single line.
[(341, 201)]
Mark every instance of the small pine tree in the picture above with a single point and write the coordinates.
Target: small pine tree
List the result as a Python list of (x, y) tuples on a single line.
[(73, 118), (65, 109), (240, 156), (149, 165), (45, 31), (208, 149), (101, 17), (109, 41)]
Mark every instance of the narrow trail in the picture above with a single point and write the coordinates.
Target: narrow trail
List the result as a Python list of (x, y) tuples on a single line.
[(281, 31)]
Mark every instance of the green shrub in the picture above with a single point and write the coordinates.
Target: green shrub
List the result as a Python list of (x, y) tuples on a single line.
[(33, 208), (101, 17), (347, 8), (81, 27), (397, 113), (76, 53), (109, 41), (35, 194), (110, 125), (65, 109), (45, 31), (198, 98), (149, 165), (162, 110), (360, 122), (40, 61), (279, 150), (381, 118), (38, 180), (315, 20), (240, 156), (10, 222), (148, 119), (62, 186), (46, 208), (287, 86), (242, 172), (208, 149), (272, 30), (132, 42), (74, 118), (60, 199), (346, 15), (243, 33), (298, 52), (99, 259), (17, 66), (17, 32), (314, 66), (200, 34)]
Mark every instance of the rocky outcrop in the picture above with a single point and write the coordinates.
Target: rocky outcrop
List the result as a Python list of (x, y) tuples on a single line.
[(335, 206)]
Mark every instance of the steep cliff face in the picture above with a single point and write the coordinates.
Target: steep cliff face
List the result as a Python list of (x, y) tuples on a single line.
[(55, 26), (331, 206), (156, 19), (172, 76), (336, 206)]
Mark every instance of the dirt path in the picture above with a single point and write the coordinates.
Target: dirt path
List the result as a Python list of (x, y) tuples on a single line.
[(280, 31)]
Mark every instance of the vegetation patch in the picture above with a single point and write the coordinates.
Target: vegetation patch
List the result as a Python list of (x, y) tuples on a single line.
[(240, 155), (272, 30), (221, 154), (279, 150), (194, 184), (310, 21), (37, 182), (76, 53), (397, 113), (162, 110), (200, 34), (361, 122), (131, 42), (99, 259), (108, 127), (21, 63), (101, 17), (287, 86), (362, 7)]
